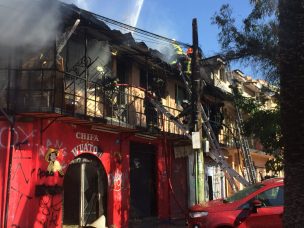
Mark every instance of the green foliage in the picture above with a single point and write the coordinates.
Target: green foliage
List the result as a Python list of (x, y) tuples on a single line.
[(260, 123), (247, 104), (263, 125), (275, 165), (256, 40)]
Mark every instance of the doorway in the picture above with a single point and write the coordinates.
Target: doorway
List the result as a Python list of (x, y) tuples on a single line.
[(142, 181), (85, 188), (210, 188)]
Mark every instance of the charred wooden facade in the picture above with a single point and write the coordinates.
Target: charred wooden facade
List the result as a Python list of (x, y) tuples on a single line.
[(79, 143)]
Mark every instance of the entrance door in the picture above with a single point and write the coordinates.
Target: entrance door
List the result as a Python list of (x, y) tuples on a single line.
[(142, 181), (85, 187), (210, 187), (178, 175)]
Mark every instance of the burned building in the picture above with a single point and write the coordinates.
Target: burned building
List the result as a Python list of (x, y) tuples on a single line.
[(76, 148)]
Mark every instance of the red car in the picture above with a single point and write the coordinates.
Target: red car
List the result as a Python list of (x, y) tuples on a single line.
[(259, 205)]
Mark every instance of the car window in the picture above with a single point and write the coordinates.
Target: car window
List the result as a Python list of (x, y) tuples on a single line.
[(270, 198), (243, 193)]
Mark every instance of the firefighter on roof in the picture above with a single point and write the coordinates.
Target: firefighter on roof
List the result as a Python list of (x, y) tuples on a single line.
[(188, 62), (179, 54), (182, 59)]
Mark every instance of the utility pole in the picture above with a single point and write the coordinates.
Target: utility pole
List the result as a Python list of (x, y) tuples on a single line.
[(196, 123)]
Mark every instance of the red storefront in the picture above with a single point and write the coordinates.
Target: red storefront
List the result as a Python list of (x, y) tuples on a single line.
[(76, 146), (91, 168)]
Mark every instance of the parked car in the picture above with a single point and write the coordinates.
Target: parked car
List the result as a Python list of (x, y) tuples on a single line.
[(259, 205)]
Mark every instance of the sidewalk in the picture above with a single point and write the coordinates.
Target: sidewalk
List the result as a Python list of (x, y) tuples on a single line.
[(153, 222)]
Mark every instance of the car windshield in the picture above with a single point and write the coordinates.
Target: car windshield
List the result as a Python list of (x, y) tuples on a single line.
[(243, 193)]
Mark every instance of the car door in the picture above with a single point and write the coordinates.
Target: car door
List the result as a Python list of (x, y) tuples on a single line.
[(271, 212)]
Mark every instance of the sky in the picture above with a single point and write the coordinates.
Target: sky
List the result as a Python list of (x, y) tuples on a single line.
[(172, 19)]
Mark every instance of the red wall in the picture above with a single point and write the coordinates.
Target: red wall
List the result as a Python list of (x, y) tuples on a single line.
[(29, 166), (4, 151)]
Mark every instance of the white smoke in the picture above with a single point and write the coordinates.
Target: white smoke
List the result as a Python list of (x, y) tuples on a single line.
[(31, 23)]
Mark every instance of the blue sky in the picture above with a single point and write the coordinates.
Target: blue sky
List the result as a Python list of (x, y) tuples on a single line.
[(172, 19)]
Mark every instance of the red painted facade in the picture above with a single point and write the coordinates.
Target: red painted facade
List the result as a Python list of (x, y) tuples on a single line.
[(29, 170)]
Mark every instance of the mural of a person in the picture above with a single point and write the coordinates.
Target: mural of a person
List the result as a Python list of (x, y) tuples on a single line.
[(54, 165), (49, 190), (50, 180)]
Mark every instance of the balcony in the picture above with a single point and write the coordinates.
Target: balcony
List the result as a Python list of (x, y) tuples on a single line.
[(52, 93), (228, 137)]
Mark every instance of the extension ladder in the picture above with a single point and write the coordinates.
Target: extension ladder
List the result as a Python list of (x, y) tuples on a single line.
[(216, 153), (249, 166)]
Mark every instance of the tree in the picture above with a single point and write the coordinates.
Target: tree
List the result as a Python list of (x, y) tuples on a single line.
[(291, 69), (279, 47), (263, 124), (256, 41)]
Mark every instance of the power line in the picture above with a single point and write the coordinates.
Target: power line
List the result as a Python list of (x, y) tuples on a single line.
[(133, 29)]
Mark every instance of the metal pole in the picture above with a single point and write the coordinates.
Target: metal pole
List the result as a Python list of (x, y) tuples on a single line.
[(195, 77), (10, 137), (86, 72), (196, 177), (82, 192), (8, 186), (196, 115)]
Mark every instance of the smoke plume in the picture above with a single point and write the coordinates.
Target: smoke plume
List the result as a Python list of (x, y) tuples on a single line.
[(30, 23)]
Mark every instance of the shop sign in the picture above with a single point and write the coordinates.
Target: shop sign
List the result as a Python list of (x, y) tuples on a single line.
[(87, 136), (86, 147)]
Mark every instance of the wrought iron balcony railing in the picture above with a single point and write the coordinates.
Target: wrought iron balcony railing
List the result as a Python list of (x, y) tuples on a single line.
[(50, 91), (228, 137)]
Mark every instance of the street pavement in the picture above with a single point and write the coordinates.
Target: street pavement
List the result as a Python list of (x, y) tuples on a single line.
[(157, 223)]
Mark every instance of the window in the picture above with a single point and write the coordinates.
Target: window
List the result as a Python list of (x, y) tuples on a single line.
[(223, 74), (180, 94), (123, 70), (143, 79), (243, 193), (272, 197)]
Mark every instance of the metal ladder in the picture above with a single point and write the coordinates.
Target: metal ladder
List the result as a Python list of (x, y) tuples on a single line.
[(249, 166), (245, 150), (216, 153)]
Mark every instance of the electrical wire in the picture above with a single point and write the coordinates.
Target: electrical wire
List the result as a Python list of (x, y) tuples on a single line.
[(131, 28)]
